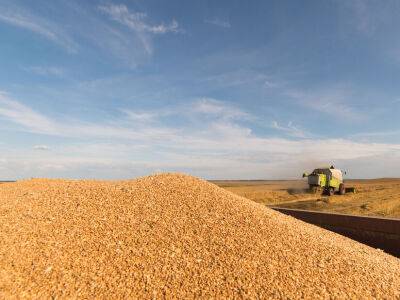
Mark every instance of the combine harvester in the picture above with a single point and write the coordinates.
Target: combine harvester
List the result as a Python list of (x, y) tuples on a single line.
[(381, 233), (329, 180)]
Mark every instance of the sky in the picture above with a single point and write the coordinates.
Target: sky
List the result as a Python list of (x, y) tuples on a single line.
[(217, 89)]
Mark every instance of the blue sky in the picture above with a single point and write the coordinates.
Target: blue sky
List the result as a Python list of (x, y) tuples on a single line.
[(217, 89)]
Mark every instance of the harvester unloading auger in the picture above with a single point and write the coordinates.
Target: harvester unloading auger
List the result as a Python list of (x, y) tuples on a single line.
[(330, 180)]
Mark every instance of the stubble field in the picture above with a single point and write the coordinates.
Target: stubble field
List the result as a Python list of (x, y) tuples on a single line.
[(373, 197)]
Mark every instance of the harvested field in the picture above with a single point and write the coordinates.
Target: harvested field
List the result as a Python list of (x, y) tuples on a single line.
[(374, 197), (173, 236)]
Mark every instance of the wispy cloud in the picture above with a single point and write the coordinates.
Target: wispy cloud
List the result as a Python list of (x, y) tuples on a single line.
[(333, 101), (369, 17), (131, 43), (271, 84), (377, 134), (219, 145), (362, 16), (290, 130), (23, 115), (37, 25), (118, 44), (218, 22), (218, 108), (41, 147), (337, 109), (137, 22), (35, 122), (375, 21), (142, 117)]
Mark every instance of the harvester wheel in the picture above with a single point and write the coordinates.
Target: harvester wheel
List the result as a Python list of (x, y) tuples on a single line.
[(313, 189), (330, 191), (342, 189)]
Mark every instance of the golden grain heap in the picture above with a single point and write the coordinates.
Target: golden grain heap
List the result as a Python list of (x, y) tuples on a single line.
[(170, 236)]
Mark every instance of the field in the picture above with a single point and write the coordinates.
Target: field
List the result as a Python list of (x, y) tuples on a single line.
[(374, 197)]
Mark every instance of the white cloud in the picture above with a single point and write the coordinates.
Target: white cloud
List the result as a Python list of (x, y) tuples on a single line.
[(235, 154), (213, 107), (140, 116), (38, 26), (131, 44), (218, 146), (290, 130), (136, 20), (218, 22), (271, 84), (41, 147)]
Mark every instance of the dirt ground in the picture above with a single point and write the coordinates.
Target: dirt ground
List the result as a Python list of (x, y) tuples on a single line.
[(373, 197)]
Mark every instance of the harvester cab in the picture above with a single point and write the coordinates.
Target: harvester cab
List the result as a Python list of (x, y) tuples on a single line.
[(330, 180)]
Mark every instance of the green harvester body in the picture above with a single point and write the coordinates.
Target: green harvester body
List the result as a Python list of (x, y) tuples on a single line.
[(330, 180)]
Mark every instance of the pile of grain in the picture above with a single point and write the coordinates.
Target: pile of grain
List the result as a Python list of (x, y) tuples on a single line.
[(173, 235)]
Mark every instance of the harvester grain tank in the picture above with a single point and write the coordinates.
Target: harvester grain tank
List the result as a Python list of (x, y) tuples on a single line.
[(330, 180)]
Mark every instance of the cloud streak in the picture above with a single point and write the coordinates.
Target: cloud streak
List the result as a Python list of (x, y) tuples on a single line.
[(333, 102), (136, 22), (213, 107), (290, 130), (24, 116), (131, 42), (35, 122), (41, 147), (218, 22), (40, 27)]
